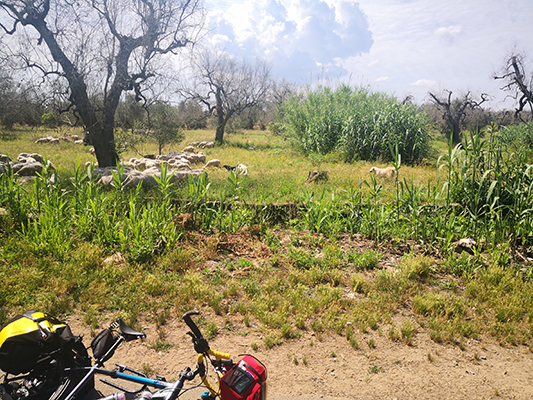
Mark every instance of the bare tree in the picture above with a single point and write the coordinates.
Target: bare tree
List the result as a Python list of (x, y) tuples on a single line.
[(454, 111), (227, 87), (521, 85), (99, 49)]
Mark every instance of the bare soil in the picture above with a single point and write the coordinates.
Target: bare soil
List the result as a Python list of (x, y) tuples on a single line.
[(328, 367)]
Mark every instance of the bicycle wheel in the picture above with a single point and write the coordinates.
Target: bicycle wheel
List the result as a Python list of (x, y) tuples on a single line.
[(67, 385), (77, 357), (39, 384)]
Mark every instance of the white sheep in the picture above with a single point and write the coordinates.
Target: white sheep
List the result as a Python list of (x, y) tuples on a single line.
[(242, 169), (212, 163), (206, 145), (188, 149), (388, 172)]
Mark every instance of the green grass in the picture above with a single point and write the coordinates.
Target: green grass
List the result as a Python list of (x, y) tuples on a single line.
[(350, 258), (277, 172)]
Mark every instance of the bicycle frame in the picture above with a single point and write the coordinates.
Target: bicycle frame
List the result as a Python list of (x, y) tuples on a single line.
[(221, 363), (158, 384), (173, 388)]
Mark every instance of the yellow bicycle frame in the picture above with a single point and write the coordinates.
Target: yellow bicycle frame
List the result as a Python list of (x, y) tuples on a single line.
[(218, 356)]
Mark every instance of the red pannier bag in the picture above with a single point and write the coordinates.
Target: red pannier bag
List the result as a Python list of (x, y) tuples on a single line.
[(245, 381)]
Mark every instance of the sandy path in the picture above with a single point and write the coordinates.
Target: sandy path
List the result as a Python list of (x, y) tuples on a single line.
[(329, 368)]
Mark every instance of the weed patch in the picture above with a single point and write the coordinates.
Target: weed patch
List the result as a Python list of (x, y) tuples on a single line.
[(282, 256)]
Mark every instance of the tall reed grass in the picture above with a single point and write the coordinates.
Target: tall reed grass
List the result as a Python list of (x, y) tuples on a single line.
[(358, 124)]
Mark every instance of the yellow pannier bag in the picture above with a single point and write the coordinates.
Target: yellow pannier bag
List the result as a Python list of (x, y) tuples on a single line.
[(28, 337)]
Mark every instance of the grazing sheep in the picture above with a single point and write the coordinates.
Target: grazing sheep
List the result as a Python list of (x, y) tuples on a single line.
[(242, 169), (195, 158), (239, 169), (315, 176), (212, 163), (46, 139), (388, 172), (188, 149), (206, 145)]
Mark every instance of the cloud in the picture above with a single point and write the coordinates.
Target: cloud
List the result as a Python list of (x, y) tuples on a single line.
[(417, 44), (220, 40), (448, 34), (451, 30), (299, 39), (424, 83)]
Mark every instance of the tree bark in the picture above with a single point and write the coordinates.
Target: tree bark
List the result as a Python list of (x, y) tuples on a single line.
[(221, 120), (219, 135), (456, 131)]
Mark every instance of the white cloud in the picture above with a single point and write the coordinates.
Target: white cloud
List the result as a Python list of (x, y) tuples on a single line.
[(296, 37), (220, 40), (424, 83), (455, 45), (382, 79), (448, 34), (451, 30)]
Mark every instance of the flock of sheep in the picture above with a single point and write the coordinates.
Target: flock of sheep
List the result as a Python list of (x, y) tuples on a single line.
[(188, 155), (183, 160)]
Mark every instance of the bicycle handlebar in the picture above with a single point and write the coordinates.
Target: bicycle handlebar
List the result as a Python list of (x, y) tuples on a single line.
[(201, 346), (218, 357), (185, 375), (190, 323)]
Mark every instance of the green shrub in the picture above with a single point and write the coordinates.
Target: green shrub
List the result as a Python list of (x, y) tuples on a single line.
[(367, 260), (50, 119)]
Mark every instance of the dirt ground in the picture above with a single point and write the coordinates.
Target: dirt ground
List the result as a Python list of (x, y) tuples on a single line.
[(328, 367)]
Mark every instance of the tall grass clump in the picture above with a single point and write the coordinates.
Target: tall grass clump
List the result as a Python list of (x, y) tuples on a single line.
[(490, 187), (360, 125)]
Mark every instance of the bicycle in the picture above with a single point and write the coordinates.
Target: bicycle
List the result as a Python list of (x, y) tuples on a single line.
[(245, 379)]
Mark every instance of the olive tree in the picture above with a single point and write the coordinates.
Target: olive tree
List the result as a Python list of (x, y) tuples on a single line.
[(191, 115), (163, 125), (454, 111), (227, 87), (96, 50), (20, 103), (518, 81)]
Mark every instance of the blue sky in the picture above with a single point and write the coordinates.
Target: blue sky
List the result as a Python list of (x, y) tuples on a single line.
[(403, 47)]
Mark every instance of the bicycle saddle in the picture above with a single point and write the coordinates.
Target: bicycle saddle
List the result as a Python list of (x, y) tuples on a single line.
[(129, 333)]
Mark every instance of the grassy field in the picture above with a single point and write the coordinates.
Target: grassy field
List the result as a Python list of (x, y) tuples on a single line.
[(355, 257), (277, 172)]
